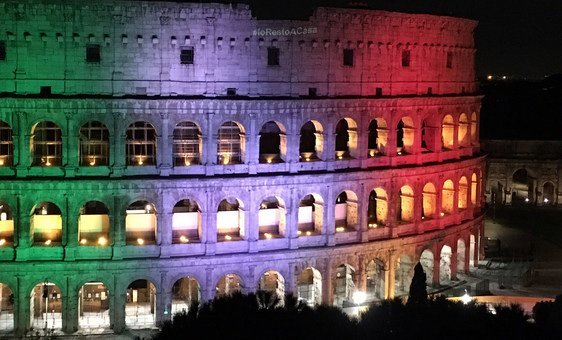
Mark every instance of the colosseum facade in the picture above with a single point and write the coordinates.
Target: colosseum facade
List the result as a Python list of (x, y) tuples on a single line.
[(153, 154)]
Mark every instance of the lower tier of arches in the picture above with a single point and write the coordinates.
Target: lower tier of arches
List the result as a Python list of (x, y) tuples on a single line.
[(68, 296)]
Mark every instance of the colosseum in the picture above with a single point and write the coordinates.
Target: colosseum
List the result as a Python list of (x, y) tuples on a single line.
[(153, 154)]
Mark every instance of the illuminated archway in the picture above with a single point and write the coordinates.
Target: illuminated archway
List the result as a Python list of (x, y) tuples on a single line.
[(345, 211), (140, 308), (310, 216), (404, 272), (311, 144), (186, 222), (93, 306), (140, 223), (45, 306), (463, 193), (309, 286), (378, 208), (445, 265), (229, 284), (344, 286), (46, 144), (185, 292), (94, 144), (378, 137), (273, 143), (376, 280), (473, 189), (426, 260), (231, 144), (6, 309), (46, 224), (548, 193), (406, 205), (272, 218), (230, 220), (448, 132), (463, 137), (346, 139), (6, 225), (141, 144), (272, 282), (93, 224), (448, 197), (187, 144), (429, 204), (405, 136)]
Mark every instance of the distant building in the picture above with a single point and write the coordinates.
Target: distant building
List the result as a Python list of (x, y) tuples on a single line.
[(155, 153)]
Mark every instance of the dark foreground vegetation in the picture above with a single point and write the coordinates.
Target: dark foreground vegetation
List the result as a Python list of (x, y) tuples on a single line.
[(261, 316)]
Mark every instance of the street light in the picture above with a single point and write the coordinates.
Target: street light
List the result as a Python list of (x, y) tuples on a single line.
[(466, 299)]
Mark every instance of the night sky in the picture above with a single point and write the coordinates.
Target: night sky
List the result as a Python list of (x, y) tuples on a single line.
[(520, 39)]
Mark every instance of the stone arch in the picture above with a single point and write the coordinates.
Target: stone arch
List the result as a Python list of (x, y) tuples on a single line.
[(185, 292), (6, 144), (344, 285), (405, 136), (7, 308), (230, 220), (463, 193), (94, 144), (427, 261), (376, 280), (45, 306), (523, 186), (473, 189), (141, 144), (310, 215), (187, 222), (187, 144), (309, 286), (346, 211), (46, 224), (46, 144), (378, 137), (445, 265), (311, 144), (429, 204), (93, 306), (403, 274), (6, 224), (448, 132), (272, 281), (548, 193), (140, 306), (93, 224), (474, 128), (448, 197), (272, 219), (231, 143), (463, 137), (346, 139), (229, 284), (377, 213), (273, 143), (141, 223), (406, 204)]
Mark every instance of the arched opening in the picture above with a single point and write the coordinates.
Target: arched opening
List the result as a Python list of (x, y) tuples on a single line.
[(346, 139), (463, 130), (94, 144), (448, 132), (272, 282), (425, 140), (344, 286), (461, 257), (6, 225), (231, 144), (6, 145), (473, 189), (405, 136), (426, 260), (45, 305), (346, 215), (474, 128), (406, 205), (272, 218), (93, 306), (6, 309), (141, 144), (186, 222), (448, 197), (310, 219), (140, 308), (185, 292), (93, 224), (522, 187), (273, 143), (378, 208), (463, 193), (140, 223), (187, 144), (378, 137), (376, 283), (309, 286), (46, 225), (403, 275), (429, 204), (548, 194), (445, 265), (230, 220), (228, 285), (311, 143), (46, 144)]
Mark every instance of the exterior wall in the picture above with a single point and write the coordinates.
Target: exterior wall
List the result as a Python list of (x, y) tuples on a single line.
[(140, 79), (541, 160)]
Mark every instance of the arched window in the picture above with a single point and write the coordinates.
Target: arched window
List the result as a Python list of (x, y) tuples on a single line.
[(271, 218), (46, 224), (141, 144), (406, 205), (46, 144), (378, 208), (6, 225), (378, 137), (230, 220), (140, 223), (463, 193), (93, 298), (186, 222), (448, 197), (346, 139), (274, 283), (405, 136), (345, 283), (273, 143), (94, 144), (53, 303), (309, 286), (473, 189), (229, 284), (448, 132), (185, 292), (463, 131), (310, 216), (140, 308), (311, 141), (548, 193), (346, 216), (474, 129), (93, 224), (429, 204), (230, 144), (7, 300), (187, 144), (6, 145)]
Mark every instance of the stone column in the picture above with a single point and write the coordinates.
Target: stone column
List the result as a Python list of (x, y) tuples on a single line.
[(208, 290), (456, 136), (454, 263), (436, 267), (327, 283), (252, 145), (119, 145), (162, 228), (362, 211), (252, 222), (164, 146), (293, 143), (250, 281), (391, 280), (21, 308), (291, 279), (117, 220), (329, 217), (71, 146), (163, 304), (292, 223), (210, 229), (211, 146), (69, 308), (361, 273), (117, 302)]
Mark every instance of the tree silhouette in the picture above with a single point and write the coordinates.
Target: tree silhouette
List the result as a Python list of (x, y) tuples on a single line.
[(418, 290)]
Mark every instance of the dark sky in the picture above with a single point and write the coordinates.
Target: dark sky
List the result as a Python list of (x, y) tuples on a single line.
[(520, 38)]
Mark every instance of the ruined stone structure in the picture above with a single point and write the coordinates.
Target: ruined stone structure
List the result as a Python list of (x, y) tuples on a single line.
[(524, 172), (154, 154)]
